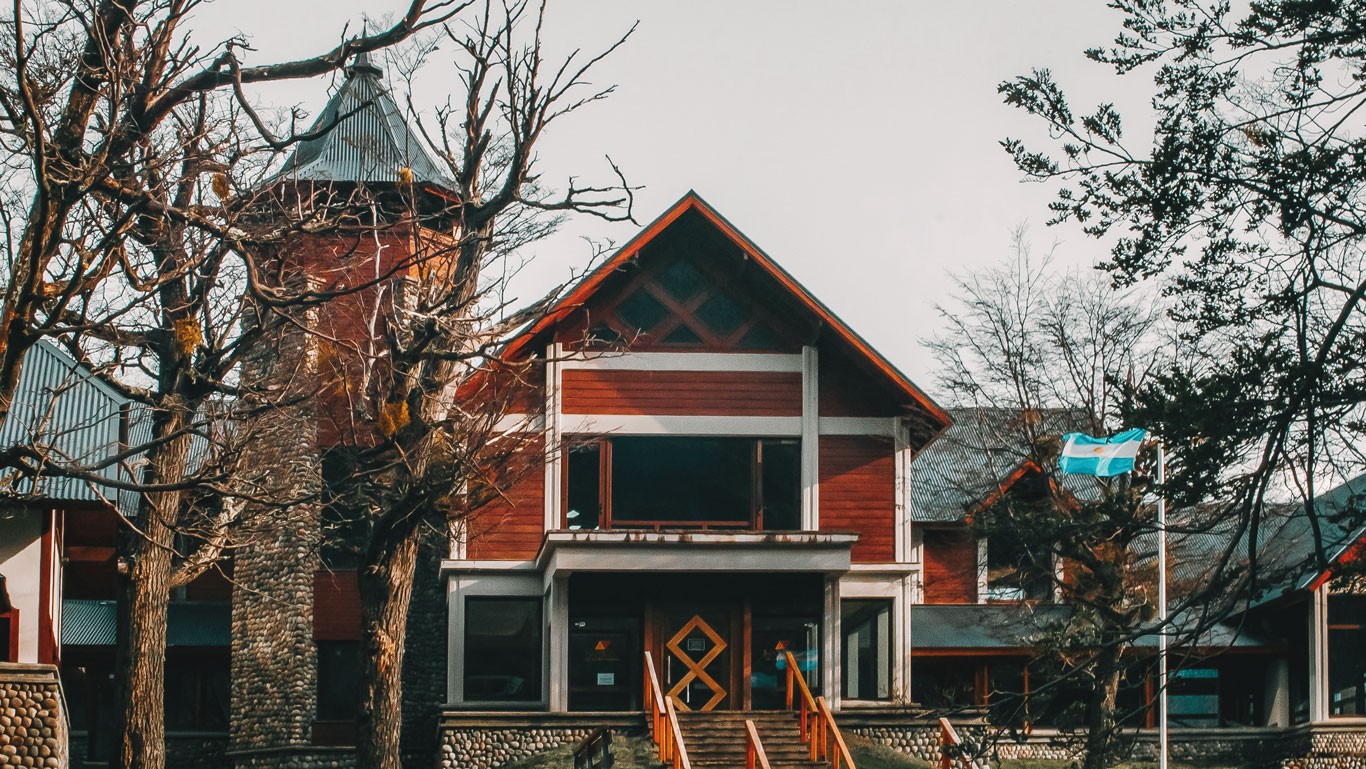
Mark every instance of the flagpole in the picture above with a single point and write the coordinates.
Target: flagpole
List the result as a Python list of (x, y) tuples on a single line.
[(1161, 610)]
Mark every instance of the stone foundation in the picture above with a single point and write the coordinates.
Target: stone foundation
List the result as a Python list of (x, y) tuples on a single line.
[(33, 719), (489, 740), (294, 758)]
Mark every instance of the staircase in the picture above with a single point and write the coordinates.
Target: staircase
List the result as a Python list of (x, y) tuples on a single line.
[(716, 740)]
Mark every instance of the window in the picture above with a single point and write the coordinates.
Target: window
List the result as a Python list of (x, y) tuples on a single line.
[(867, 651), (502, 649), (604, 655), (1346, 655), (339, 680), (1014, 573), (698, 482), (197, 693), (772, 638)]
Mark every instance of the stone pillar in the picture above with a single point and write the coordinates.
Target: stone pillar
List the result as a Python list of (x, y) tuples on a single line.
[(274, 656)]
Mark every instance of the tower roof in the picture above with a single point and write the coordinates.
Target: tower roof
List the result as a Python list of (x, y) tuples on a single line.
[(370, 141)]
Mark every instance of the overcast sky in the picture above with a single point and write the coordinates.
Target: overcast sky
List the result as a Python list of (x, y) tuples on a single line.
[(857, 143)]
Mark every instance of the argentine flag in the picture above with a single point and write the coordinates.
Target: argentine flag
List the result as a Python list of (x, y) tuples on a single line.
[(1104, 457)]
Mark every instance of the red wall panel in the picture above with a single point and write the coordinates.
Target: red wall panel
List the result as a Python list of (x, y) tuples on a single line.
[(511, 527), (858, 493), (950, 566), (720, 393), (336, 606)]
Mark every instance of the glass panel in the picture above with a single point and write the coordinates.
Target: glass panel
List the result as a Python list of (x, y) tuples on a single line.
[(945, 684), (1193, 697), (867, 652), (503, 649), (760, 337), (682, 280), (1346, 655), (583, 508), (782, 486), (771, 638), (722, 315), (691, 481), (1016, 574), (339, 680), (603, 335), (603, 656), (682, 335), (641, 311)]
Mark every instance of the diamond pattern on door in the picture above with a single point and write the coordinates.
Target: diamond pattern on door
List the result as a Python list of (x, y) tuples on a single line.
[(697, 669)]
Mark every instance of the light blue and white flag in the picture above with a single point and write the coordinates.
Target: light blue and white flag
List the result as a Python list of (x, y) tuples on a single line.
[(1085, 455)]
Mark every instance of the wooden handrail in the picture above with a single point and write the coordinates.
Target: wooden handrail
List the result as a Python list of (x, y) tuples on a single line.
[(663, 718), (755, 757), (680, 753), (951, 747), (817, 723)]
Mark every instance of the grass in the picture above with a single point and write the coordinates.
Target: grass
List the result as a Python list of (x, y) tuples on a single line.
[(871, 755)]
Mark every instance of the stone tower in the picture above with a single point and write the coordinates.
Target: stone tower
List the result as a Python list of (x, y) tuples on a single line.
[(295, 619)]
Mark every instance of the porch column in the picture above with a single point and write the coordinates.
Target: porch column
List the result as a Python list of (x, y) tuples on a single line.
[(1318, 655), (830, 644), (811, 439), (558, 634)]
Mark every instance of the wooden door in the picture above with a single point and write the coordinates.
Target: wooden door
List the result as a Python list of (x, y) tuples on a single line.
[(701, 652)]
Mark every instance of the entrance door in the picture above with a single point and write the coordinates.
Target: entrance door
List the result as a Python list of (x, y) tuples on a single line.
[(700, 650)]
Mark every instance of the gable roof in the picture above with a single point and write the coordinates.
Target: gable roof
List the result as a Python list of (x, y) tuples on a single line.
[(519, 345), (980, 456), (364, 137)]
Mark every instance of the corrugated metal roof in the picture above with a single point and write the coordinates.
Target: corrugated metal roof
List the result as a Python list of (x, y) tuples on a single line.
[(974, 457), (92, 623), (371, 142), (1020, 626), (65, 408)]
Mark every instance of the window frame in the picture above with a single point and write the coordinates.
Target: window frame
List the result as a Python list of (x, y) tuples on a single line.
[(464, 656), (606, 522), (890, 605)]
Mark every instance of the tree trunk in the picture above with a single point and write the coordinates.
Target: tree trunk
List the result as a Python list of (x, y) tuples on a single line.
[(386, 590), (143, 599), (1100, 708)]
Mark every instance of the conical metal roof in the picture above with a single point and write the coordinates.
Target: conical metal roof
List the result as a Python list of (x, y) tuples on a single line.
[(371, 143)]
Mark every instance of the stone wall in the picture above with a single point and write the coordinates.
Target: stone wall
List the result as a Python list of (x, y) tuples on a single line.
[(274, 657), (34, 731), (1325, 746), (489, 740), (295, 758), (424, 661)]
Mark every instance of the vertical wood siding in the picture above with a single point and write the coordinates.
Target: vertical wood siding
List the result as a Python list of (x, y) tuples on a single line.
[(858, 493), (950, 566)]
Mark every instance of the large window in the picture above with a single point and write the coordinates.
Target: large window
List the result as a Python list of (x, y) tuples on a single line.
[(693, 482), (502, 649), (867, 652), (1346, 655)]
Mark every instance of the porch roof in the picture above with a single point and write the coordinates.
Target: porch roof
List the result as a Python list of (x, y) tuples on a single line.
[(697, 551)]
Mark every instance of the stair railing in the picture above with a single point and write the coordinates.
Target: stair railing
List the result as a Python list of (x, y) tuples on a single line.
[(817, 723), (755, 757), (951, 747), (663, 718)]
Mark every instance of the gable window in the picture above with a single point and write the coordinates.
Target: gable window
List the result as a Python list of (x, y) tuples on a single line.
[(684, 482)]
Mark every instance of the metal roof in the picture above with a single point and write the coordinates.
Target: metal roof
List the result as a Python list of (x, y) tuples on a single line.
[(1020, 626), (976, 456), (75, 416), (369, 140), (92, 623)]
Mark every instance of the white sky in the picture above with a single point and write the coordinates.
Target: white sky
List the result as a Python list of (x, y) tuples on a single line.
[(857, 143)]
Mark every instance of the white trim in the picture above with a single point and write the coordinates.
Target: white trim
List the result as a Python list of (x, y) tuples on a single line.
[(458, 588), (901, 438), (553, 436), (982, 570), (519, 423), (830, 651), (648, 424), (684, 361), (557, 633), (1318, 655), (811, 444), (882, 426)]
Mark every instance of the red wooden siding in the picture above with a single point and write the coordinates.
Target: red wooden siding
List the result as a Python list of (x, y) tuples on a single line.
[(858, 493), (336, 606), (847, 390), (510, 527), (950, 566), (720, 393)]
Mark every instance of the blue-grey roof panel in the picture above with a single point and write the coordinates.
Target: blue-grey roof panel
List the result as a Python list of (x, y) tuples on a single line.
[(92, 623)]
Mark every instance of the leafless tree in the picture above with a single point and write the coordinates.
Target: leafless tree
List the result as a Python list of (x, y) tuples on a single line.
[(129, 148)]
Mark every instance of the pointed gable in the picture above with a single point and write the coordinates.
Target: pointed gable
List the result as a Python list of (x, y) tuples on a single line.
[(691, 281)]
